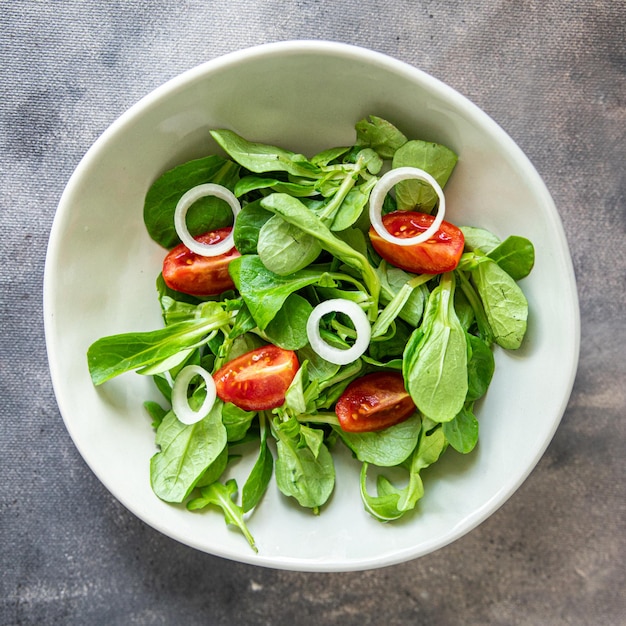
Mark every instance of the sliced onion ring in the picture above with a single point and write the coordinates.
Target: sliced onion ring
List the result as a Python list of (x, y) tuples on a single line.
[(180, 402), (338, 356), (180, 215), (382, 188)]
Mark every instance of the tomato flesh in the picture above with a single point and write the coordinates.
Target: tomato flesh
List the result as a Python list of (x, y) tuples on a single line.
[(257, 380), (439, 254), (374, 402), (197, 275)]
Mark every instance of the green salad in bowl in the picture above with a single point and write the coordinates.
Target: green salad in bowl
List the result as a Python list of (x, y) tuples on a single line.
[(315, 293), (304, 304)]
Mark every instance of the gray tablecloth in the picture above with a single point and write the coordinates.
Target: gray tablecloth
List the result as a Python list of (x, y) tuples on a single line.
[(552, 73)]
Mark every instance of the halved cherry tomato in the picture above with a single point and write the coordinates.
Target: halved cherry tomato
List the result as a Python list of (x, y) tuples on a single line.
[(257, 380), (197, 275), (440, 253), (374, 402)]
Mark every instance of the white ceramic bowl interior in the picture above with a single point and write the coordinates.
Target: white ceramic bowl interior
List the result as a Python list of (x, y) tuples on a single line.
[(306, 96)]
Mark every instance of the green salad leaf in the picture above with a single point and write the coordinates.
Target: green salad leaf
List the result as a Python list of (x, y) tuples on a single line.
[(206, 214), (435, 359), (437, 160), (185, 453)]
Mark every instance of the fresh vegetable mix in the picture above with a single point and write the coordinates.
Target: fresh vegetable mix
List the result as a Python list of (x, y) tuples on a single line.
[(312, 303)]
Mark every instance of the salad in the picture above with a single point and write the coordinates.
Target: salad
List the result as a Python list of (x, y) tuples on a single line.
[(312, 303)]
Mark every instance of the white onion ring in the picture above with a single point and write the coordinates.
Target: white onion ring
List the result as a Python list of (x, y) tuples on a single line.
[(180, 215), (338, 356), (180, 402), (382, 188)]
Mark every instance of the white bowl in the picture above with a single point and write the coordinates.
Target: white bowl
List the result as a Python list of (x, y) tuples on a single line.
[(306, 96)]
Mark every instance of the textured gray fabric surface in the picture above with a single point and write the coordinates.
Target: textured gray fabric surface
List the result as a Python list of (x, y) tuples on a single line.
[(553, 74)]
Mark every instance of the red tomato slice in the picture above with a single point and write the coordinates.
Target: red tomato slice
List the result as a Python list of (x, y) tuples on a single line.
[(440, 253), (197, 275), (374, 402), (257, 380)]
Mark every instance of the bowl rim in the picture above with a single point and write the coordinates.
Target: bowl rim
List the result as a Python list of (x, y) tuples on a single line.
[(397, 66)]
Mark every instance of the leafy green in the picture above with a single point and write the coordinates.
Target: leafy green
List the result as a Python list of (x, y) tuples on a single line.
[(480, 367), (353, 206), (248, 225), (265, 292), (254, 183), (215, 470), (479, 239), (327, 156), (515, 255), (296, 213), (435, 359), (287, 329), (380, 135), (155, 411), (431, 446), (236, 421), (186, 453), (462, 432), (295, 398), (387, 447), (504, 303), (116, 354), (394, 280), (437, 160), (261, 158), (303, 473), (477, 315), (222, 496), (259, 477), (384, 505), (284, 248), (400, 301), (206, 214), (392, 345), (390, 502), (318, 368), (243, 323)]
